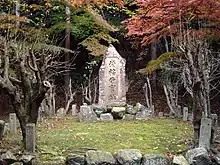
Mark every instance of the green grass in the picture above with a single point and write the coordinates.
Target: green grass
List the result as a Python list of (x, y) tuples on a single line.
[(59, 137)]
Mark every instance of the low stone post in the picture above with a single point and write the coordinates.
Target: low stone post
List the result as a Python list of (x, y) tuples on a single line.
[(12, 123), (185, 113), (2, 127), (73, 110), (30, 138), (205, 133), (214, 118), (152, 111), (160, 114)]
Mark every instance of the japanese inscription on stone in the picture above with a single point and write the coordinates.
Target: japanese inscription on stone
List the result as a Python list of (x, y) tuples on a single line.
[(112, 90)]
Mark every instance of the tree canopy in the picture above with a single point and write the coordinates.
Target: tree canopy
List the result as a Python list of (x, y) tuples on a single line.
[(158, 18)]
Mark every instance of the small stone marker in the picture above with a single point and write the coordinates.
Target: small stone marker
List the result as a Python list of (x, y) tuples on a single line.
[(160, 114), (185, 113), (214, 118), (152, 111), (74, 111), (112, 82), (205, 133), (6, 128), (30, 138), (179, 111), (60, 112), (138, 106), (2, 127), (12, 123)]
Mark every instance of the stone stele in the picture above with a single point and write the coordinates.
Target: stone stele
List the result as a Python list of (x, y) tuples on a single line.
[(112, 83)]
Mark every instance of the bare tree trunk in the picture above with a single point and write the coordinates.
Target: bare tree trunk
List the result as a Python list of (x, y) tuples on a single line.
[(71, 97), (148, 93), (17, 11), (197, 110), (67, 55)]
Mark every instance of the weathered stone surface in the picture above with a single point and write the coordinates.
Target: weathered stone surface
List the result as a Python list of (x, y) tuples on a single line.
[(138, 106), (87, 114), (2, 127), (75, 160), (217, 159), (180, 160), (190, 117), (131, 110), (143, 115), (129, 157), (74, 110), (30, 138), (6, 128), (129, 117), (112, 83), (205, 133), (160, 114), (185, 113), (155, 159), (98, 109), (27, 159), (99, 158), (52, 162), (198, 156), (12, 123), (106, 117), (8, 157), (60, 112), (118, 112)]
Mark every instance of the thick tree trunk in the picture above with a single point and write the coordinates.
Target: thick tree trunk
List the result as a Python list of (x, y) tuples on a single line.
[(27, 112), (197, 110)]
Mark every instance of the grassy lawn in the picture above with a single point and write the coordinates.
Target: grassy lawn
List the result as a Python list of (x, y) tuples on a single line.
[(59, 137)]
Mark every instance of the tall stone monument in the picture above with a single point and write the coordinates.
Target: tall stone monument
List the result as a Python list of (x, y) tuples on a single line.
[(112, 85)]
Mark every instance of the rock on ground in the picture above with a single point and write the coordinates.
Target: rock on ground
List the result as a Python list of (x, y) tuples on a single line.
[(99, 158), (87, 114), (198, 156), (75, 160), (155, 159), (106, 117), (118, 112), (129, 157), (180, 160)]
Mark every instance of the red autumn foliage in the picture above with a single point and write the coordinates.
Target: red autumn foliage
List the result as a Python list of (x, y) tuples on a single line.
[(157, 18)]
